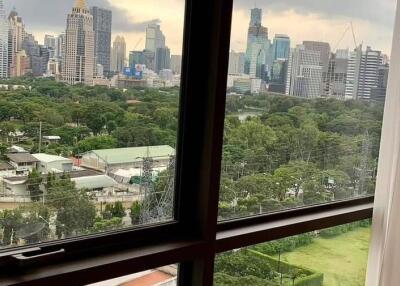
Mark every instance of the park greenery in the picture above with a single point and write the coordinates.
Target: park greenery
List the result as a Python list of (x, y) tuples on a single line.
[(281, 262), (289, 153)]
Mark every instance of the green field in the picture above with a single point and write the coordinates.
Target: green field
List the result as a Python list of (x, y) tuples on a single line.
[(342, 259)]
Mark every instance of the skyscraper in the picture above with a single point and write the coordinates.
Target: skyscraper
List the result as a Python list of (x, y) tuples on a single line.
[(279, 71), (236, 62), (337, 74), (163, 59), (371, 61), (324, 51), (3, 42), (304, 76), (256, 17), (16, 36), (154, 38), (363, 73), (39, 55), (258, 54), (176, 63), (79, 61), (118, 54), (281, 47), (135, 57), (50, 42), (102, 22)]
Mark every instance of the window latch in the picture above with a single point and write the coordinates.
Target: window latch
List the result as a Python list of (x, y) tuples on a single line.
[(37, 258)]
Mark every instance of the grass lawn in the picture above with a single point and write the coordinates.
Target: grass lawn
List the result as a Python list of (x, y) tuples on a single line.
[(342, 259)]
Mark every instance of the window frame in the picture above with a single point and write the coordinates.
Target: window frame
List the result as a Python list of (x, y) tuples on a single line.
[(195, 236)]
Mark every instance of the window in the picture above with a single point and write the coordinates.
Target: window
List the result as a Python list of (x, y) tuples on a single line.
[(304, 105), (161, 276), (89, 118), (333, 256), (197, 231)]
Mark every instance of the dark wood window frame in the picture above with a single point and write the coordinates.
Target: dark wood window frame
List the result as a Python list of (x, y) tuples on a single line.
[(194, 237)]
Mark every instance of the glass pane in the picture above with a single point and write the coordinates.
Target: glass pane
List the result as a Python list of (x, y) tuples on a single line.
[(89, 95), (330, 257), (163, 276), (306, 91)]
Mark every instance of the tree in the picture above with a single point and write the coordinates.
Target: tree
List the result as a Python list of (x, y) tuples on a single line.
[(94, 143), (135, 212), (10, 221), (5, 129), (34, 181), (75, 211)]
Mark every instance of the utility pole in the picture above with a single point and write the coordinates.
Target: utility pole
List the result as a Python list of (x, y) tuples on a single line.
[(40, 136)]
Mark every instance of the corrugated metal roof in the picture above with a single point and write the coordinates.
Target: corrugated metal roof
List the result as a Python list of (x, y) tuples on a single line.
[(134, 154), (42, 157), (94, 182)]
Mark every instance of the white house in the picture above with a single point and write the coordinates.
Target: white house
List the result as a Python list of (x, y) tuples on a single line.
[(52, 163), (6, 170), (51, 140), (23, 163)]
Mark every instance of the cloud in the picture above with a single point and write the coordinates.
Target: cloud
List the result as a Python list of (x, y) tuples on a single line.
[(381, 11), (52, 14)]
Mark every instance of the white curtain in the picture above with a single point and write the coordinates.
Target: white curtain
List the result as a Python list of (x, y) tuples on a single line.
[(384, 256)]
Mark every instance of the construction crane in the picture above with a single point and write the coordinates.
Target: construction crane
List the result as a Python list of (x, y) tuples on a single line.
[(138, 43), (348, 28)]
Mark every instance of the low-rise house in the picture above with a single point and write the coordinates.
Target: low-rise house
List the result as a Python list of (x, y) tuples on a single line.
[(84, 179), (106, 160), (6, 170), (47, 140), (24, 163), (52, 163), (16, 149)]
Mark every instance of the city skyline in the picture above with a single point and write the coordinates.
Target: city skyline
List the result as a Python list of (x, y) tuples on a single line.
[(313, 21)]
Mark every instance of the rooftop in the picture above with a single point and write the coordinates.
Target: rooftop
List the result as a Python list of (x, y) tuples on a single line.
[(4, 166), (134, 154), (72, 175), (21, 158), (42, 157)]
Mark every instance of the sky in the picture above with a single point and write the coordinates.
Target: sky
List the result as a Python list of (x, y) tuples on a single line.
[(320, 20)]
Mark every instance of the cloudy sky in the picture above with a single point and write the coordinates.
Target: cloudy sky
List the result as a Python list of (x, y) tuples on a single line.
[(321, 20)]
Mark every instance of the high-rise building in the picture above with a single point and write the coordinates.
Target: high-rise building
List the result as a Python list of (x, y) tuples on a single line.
[(16, 35), (79, 61), (50, 42), (371, 61), (353, 71), (39, 55), (163, 59), (154, 38), (60, 42), (149, 59), (258, 53), (22, 64), (304, 77), (53, 68), (118, 54), (363, 73), (176, 64), (236, 62), (277, 81), (378, 93), (324, 49), (337, 74), (281, 47), (102, 23), (136, 58), (256, 17)]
